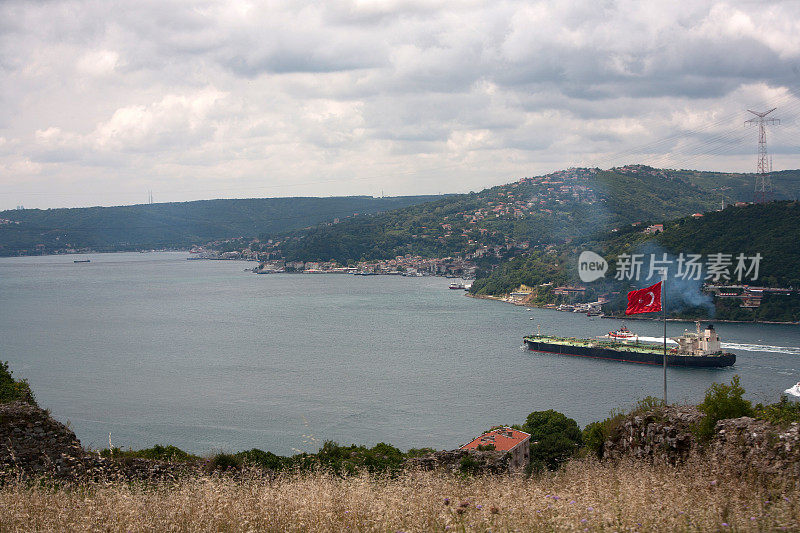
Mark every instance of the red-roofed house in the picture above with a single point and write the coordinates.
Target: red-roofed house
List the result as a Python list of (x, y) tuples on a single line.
[(506, 439)]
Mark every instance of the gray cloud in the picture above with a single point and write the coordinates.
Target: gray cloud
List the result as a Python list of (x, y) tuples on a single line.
[(203, 99)]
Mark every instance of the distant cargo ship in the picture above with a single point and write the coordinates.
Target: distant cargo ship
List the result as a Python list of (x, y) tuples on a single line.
[(82, 261), (700, 349)]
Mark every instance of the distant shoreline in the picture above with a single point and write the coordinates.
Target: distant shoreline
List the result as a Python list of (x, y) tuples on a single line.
[(627, 317)]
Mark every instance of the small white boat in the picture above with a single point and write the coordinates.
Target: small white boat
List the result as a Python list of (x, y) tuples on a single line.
[(794, 391)]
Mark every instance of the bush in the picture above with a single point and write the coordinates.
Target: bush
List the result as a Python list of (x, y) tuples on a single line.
[(262, 459), (158, 453), (12, 390), (721, 403), (781, 414), (224, 462), (469, 465), (350, 460), (419, 452), (594, 438), (649, 404), (554, 439)]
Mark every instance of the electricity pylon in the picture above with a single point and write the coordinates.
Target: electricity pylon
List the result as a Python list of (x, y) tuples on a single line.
[(763, 188)]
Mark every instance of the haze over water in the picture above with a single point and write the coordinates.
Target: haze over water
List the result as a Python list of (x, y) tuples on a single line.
[(202, 355)]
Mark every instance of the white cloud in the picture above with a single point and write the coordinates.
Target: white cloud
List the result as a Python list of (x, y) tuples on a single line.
[(174, 122), (98, 62), (206, 98), (18, 168)]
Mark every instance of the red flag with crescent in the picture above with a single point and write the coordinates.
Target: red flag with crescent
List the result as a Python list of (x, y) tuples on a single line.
[(647, 300)]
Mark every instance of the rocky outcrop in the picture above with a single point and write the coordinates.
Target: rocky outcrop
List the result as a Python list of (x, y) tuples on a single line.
[(33, 445), (749, 445), (467, 461), (662, 435), (739, 445)]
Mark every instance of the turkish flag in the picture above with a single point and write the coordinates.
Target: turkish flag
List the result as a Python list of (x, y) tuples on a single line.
[(647, 300)]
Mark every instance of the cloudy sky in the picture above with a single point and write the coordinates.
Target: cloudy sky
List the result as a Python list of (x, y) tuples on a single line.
[(101, 101)]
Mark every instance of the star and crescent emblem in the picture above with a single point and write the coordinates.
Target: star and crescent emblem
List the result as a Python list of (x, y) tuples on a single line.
[(652, 299), (644, 300)]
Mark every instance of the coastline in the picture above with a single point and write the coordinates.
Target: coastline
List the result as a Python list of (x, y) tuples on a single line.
[(524, 303)]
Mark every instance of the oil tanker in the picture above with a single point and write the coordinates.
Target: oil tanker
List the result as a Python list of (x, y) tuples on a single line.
[(700, 349)]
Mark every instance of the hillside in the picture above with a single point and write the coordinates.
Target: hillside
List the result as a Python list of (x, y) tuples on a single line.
[(770, 230), (504, 221), (178, 224), (773, 230)]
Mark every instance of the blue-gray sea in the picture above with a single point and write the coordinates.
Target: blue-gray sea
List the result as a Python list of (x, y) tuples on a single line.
[(153, 348)]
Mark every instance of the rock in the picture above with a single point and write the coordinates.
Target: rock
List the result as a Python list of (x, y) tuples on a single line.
[(739, 445), (32, 444), (480, 462), (745, 444), (662, 435)]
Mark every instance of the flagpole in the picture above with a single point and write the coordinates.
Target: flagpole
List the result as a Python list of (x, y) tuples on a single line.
[(664, 311)]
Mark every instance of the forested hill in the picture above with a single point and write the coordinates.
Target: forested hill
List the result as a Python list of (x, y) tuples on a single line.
[(771, 230), (566, 205), (176, 224)]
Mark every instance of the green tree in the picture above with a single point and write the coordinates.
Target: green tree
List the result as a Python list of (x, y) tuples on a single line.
[(721, 403), (554, 439)]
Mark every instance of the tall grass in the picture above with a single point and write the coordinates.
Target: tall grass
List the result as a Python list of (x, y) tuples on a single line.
[(584, 495)]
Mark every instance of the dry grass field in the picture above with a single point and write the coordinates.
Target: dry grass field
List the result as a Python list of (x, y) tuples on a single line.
[(584, 496)]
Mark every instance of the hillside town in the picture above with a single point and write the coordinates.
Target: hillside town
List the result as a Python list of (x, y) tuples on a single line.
[(407, 265), (476, 230)]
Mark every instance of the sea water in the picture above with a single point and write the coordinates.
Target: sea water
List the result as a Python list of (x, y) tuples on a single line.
[(155, 349)]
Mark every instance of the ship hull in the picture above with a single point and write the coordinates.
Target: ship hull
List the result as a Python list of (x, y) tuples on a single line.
[(597, 352)]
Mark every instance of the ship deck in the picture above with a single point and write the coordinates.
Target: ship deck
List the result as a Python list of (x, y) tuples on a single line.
[(633, 352), (635, 347)]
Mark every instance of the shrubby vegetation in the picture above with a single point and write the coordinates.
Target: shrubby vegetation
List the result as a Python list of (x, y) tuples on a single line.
[(331, 457), (157, 453), (781, 414), (12, 390), (597, 433), (720, 403)]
